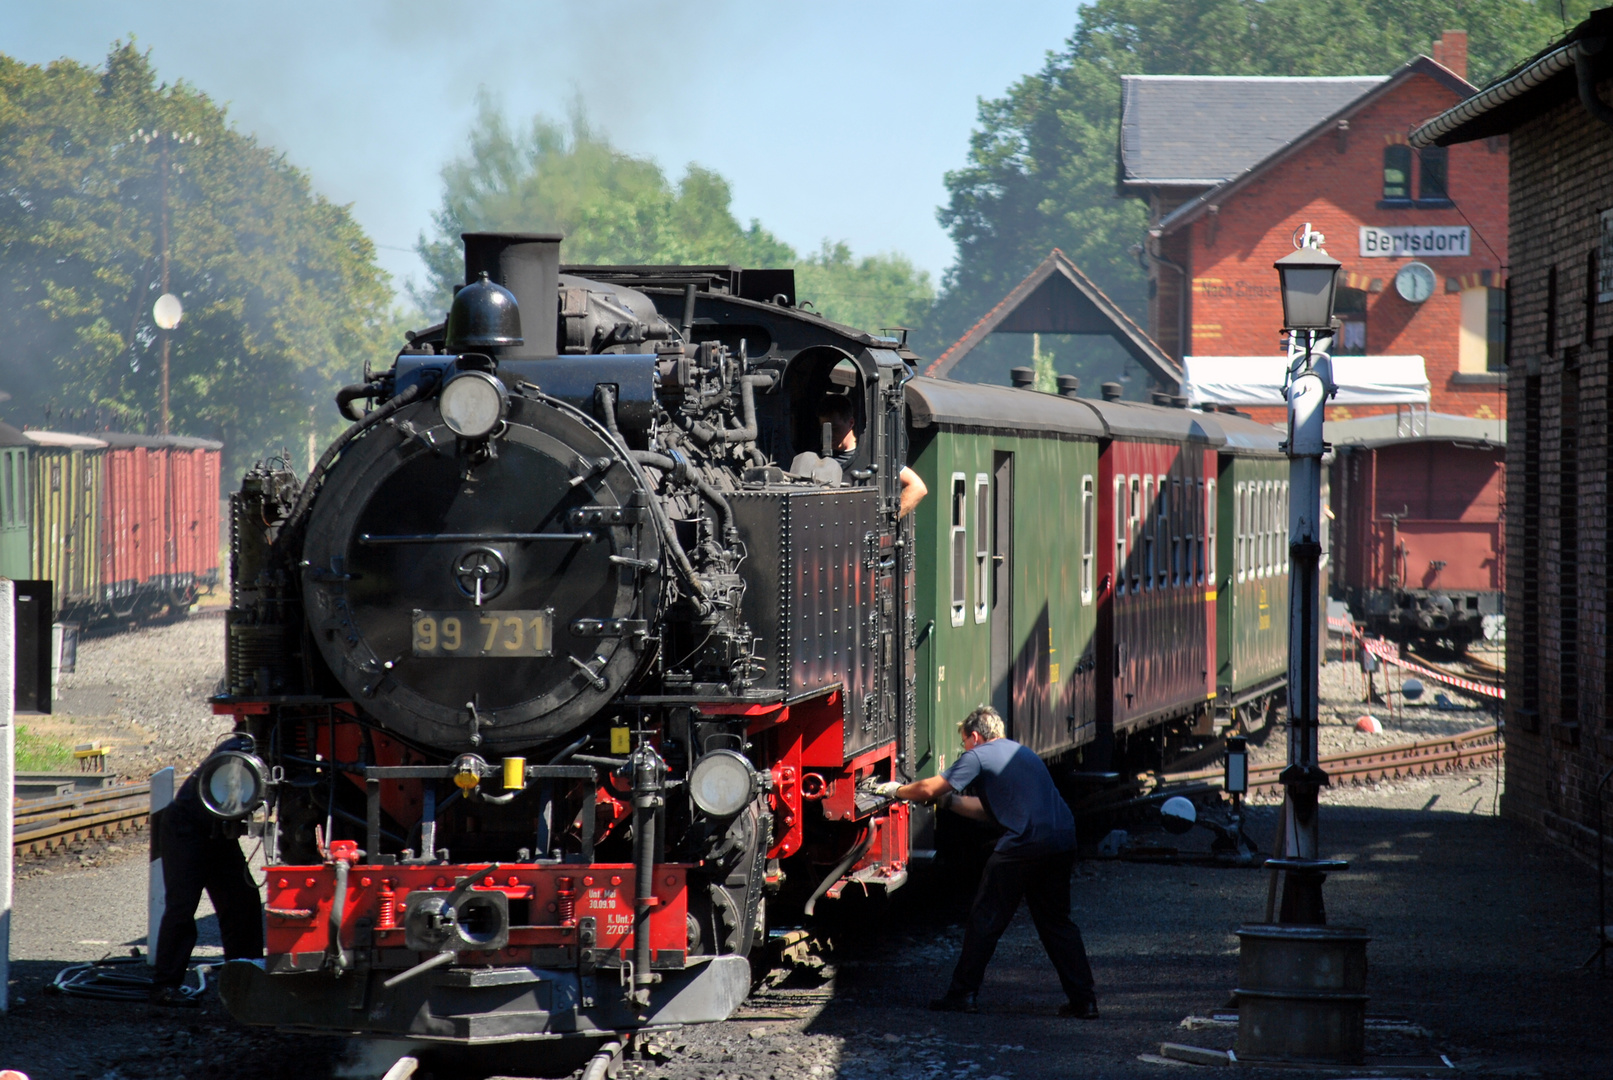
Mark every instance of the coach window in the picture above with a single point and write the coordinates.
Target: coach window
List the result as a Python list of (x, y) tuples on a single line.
[(1208, 570), (1134, 529), (1263, 559), (1182, 536), (1397, 175), (1237, 531), (982, 545), (1120, 534), (1282, 531), (960, 551), (1166, 526), (1089, 537), (1149, 532), (1257, 528), (11, 489)]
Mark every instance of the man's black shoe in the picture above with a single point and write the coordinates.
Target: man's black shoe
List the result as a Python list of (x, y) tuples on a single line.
[(955, 1002), (170, 997), (1080, 1010)]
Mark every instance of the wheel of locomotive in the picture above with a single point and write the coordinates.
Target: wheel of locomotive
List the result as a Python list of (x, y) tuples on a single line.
[(499, 544)]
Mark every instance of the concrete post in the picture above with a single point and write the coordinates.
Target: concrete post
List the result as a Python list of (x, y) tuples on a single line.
[(8, 764), (162, 794)]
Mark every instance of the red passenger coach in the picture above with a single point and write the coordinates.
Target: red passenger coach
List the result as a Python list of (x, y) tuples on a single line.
[(1157, 626)]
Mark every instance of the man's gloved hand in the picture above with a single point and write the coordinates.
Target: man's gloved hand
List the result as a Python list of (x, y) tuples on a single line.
[(888, 789)]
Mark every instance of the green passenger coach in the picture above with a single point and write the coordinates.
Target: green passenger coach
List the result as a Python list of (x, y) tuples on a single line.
[(1005, 565), (1251, 570)]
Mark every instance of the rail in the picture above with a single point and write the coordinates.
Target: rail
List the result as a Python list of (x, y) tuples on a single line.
[(1425, 757), (44, 824)]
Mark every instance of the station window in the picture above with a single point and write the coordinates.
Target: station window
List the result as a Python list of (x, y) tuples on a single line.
[(1208, 571), (960, 551), (1433, 180), (1089, 537), (982, 545), (1397, 174)]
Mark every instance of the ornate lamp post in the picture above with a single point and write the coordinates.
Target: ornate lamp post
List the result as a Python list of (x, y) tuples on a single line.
[(1302, 984), (1308, 278)]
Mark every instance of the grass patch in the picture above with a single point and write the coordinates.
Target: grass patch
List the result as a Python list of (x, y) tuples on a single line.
[(37, 753)]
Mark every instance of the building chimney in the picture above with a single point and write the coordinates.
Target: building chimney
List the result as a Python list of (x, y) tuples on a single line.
[(1451, 52)]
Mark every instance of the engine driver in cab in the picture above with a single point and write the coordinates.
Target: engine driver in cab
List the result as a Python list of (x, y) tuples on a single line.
[(1031, 861), (836, 411)]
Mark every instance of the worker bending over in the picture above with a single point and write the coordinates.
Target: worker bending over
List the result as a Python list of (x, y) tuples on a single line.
[(1032, 860)]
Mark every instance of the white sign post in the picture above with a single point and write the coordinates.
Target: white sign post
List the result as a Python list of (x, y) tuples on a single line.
[(8, 765), (162, 793)]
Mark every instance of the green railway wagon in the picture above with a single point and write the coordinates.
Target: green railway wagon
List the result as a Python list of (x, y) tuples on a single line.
[(1251, 555), (16, 450), (65, 532), (1005, 558)]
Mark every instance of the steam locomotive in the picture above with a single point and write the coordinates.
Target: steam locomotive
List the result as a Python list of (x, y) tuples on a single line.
[(557, 680)]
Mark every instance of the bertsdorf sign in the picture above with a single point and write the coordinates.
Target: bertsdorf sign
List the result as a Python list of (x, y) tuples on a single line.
[(1423, 241)]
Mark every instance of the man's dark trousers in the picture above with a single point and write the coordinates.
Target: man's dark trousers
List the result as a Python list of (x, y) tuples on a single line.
[(1044, 883), (195, 856)]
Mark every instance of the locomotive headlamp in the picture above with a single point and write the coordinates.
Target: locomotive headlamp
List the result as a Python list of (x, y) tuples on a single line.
[(231, 784), (468, 770), (472, 404), (1308, 278), (722, 783)]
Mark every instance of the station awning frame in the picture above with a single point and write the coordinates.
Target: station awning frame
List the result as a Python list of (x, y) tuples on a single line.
[(1258, 380)]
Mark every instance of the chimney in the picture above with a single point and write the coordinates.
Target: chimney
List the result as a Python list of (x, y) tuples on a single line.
[(1451, 52)]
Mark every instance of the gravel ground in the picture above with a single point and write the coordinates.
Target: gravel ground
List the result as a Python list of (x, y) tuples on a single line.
[(1479, 933), (145, 691)]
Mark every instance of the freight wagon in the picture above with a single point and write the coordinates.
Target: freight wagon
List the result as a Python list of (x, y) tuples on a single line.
[(125, 526), (1417, 537)]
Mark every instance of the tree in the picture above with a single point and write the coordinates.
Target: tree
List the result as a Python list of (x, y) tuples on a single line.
[(1041, 167), (283, 299), (613, 207)]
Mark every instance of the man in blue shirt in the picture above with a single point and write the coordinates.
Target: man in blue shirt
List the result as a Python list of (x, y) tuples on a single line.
[(1032, 861)]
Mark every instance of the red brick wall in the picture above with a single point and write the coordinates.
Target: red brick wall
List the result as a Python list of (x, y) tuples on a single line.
[(1236, 310), (1560, 665)]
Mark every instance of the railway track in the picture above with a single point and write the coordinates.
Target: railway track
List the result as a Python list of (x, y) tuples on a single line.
[(41, 825), (1424, 757)]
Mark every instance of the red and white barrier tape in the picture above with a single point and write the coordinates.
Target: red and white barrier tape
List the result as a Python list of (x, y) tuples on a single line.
[(1389, 653)]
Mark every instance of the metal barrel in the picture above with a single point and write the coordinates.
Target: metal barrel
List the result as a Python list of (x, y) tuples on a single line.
[(1302, 993)]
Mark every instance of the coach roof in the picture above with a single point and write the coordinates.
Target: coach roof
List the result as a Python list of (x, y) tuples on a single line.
[(945, 403)]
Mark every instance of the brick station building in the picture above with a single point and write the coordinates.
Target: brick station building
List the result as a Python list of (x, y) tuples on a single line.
[(1232, 168), (1559, 712)]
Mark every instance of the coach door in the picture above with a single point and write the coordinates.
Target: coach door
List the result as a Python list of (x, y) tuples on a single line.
[(1002, 586)]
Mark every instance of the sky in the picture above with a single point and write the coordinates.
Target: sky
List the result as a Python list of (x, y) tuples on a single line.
[(832, 120)]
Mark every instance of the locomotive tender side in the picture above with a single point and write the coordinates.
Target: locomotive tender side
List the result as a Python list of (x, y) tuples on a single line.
[(572, 656)]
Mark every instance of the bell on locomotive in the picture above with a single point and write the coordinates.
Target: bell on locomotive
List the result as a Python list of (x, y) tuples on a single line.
[(511, 655)]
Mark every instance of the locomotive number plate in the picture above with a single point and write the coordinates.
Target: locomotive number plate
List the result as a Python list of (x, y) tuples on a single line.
[(479, 634)]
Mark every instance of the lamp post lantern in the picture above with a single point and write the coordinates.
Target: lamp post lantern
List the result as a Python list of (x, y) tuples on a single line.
[(1308, 279)]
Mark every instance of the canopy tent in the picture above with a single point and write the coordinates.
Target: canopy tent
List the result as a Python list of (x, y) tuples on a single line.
[(1258, 380)]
